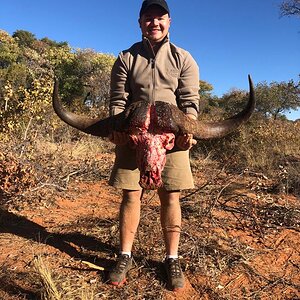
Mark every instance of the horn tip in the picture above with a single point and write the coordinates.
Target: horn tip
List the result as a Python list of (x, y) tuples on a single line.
[(250, 81)]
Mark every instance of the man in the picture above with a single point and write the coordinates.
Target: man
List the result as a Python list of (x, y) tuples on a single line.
[(153, 69)]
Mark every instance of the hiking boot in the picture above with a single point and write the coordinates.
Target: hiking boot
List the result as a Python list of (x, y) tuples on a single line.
[(175, 275), (117, 276)]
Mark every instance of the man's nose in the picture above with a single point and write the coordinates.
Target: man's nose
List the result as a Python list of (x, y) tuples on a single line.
[(155, 21)]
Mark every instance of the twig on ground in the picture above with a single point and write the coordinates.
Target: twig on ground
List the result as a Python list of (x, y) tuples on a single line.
[(60, 188)]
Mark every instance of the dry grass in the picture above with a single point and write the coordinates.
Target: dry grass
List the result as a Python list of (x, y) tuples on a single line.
[(271, 147), (55, 287), (49, 287), (40, 168)]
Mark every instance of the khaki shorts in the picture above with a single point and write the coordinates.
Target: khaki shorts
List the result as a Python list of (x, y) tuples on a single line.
[(176, 175)]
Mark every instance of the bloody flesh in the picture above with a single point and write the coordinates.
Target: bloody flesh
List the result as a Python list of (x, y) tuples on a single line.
[(151, 146)]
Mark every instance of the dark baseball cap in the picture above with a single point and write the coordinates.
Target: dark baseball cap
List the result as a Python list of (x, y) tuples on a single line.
[(147, 3)]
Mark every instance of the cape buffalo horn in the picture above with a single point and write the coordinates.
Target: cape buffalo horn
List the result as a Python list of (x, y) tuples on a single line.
[(210, 130), (169, 117), (95, 126)]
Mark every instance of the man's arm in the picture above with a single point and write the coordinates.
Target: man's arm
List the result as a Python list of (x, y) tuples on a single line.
[(188, 86), (119, 87), (119, 92), (188, 98)]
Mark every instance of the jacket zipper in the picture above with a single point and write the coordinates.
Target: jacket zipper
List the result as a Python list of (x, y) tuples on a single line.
[(152, 62), (152, 101)]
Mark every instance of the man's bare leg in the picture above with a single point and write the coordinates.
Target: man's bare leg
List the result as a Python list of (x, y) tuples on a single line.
[(171, 226), (129, 218), (170, 219), (129, 221)]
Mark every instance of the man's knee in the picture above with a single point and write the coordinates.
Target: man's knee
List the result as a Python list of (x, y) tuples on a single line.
[(132, 196), (168, 198)]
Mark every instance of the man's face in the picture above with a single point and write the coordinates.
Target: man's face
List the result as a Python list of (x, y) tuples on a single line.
[(155, 24)]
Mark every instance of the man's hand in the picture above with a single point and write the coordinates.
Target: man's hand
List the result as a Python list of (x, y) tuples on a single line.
[(186, 141), (119, 138)]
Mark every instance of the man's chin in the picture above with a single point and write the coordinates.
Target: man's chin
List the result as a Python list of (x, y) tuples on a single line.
[(155, 38)]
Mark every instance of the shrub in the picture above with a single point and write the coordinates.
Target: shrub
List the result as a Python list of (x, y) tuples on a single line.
[(268, 146)]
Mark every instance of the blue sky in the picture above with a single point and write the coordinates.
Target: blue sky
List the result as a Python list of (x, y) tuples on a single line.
[(229, 39)]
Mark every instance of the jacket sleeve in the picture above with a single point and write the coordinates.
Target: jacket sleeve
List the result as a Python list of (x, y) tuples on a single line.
[(119, 87), (188, 87)]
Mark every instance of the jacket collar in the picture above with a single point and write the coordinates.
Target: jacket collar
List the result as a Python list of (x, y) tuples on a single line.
[(148, 46)]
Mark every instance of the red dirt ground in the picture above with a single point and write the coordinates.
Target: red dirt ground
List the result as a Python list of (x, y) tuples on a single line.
[(270, 272)]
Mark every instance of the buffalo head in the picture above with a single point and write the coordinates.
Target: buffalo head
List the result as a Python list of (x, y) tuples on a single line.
[(153, 128)]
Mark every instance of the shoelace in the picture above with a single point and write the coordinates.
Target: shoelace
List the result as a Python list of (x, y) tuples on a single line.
[(122, 263), (175, 268)]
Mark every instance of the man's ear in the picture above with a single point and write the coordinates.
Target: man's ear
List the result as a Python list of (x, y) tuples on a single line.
[(139, 20)]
